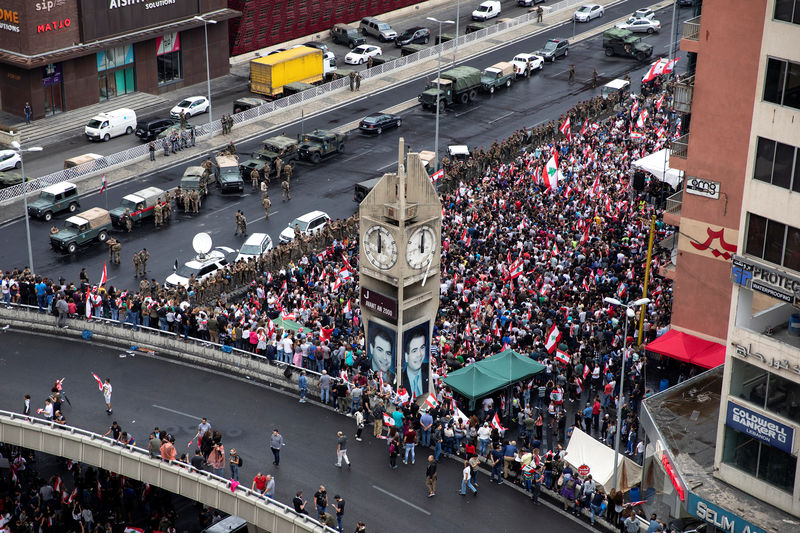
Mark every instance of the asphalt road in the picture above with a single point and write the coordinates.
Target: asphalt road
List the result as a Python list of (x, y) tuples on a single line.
[(387, 500), (329, 186)]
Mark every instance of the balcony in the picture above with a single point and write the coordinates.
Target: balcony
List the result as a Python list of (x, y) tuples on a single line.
[(672, 213), (684, 91), (679, 148), (691, 29)]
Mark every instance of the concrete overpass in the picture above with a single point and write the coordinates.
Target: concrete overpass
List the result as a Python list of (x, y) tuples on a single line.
[(262, 514)]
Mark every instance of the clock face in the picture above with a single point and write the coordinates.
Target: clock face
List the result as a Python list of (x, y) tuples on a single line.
[(380, 247), (421, 247)]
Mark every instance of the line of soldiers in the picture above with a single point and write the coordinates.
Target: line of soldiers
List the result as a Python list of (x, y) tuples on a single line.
[(140, 262), (190, 198)]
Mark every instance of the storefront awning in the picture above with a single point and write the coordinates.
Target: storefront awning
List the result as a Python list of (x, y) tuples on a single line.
[(689, 349), (657, 164)]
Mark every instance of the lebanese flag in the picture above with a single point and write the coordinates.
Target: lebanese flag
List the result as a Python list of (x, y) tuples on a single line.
[(436, 176), (579, 383), (496, 420), (343, 375), (516, 269), (585, 237), (553, 336), (585, 371), (388, 420), (288, 316), (463, 235), (103, 185), (642, 119), (566, 130), (347, 308), (431, 401), (585, 126), (595, 186), (622, 291), (670, 66), (325, 334), (380, 381), (562, 357), (57, 485), (585, 285), (657, 291), (660, 101), (636, 136), (284, 286), (104, 275), (98, 380), (402, 396), (551, 173), (556, 251)]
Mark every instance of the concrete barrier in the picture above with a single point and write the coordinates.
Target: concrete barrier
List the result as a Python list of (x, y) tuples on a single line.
[(262, 514)]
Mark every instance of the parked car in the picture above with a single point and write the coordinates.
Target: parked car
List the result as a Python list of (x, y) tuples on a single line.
[(147, 130), (521, 61), (377, 122), (202, 266), (528, 3), (255, 245), (54, 199), (644, 13), (378, 29), (82, 229), (361, 54), (639, 25), (486, 10), (7, 179), (192, 106), (9, 159), (308, 224), (417, 34), (319, 45), (349, 37), (363, 188), (689, 525), (243, 104), (587, 12), (553, 49)]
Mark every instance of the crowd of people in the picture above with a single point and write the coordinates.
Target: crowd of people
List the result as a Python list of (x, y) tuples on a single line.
[(538, 229)]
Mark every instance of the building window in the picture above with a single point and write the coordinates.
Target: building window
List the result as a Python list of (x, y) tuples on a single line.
[(773, 241), (782, 83), (766, 390), (115, 74), (787, 10), (777, 163), (168, 60), (759, 459)]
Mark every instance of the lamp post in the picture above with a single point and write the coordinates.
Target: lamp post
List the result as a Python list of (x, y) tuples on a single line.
[(19, 149), (206, 22), (458, 16), (629, 313), (438, 94)]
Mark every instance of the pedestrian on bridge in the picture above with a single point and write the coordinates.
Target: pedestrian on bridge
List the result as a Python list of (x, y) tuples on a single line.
[(107, 395), (275, 444)]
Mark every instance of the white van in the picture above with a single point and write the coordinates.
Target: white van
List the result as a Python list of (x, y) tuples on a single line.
[(111, 124), (487, 10)]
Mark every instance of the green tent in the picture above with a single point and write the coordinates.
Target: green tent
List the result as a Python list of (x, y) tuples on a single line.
[(289, 324), (474, 382), (511, 366)]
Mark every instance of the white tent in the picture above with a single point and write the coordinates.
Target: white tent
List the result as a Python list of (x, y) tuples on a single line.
[(585, 450), (656, 163)]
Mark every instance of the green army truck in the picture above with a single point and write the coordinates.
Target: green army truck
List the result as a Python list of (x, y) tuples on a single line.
[(619, 42), (274, 147), (319, 144), (82, 229), (193, 180), (498, 75), (459, 84), (227, 173)]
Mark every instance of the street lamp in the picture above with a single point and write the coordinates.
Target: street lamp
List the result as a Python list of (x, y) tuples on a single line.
[(19, 149), (629, 313), (206, 22), (438, 93), (458, 19)]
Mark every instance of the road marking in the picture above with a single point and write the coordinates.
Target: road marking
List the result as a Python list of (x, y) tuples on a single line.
[(178, 412), (398, 498), (501, 117), (387, 166), (224, 208), (357, 154), (264, 217), (471, 109)]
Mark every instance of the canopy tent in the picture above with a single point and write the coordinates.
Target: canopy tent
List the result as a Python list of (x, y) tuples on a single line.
[(511, 366), (288, 324), (689, 349), (474, 382), (585, 450), (656, 164)]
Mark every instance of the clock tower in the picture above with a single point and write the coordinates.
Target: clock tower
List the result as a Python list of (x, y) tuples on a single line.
[(400, 238)]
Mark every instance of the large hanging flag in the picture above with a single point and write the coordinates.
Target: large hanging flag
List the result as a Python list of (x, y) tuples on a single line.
[(551, 174), (553, 336)]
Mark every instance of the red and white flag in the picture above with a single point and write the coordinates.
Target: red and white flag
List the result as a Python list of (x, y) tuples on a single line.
[(585, 126), (103, 185), (585, 371), (636, 136), (348, 308), (660, 101), (104, 275), (287, 316), (642, 120), (388, 420), (436, 176), (98, 380), (325, 334), (343, 375), (566, 130), (431, 401), (402, 396), (553, 336), (496, 423), (551, 174), (562, 357)]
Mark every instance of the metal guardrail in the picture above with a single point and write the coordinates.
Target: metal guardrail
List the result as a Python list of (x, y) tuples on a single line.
[(139, 153), (136, 463), (674, 203), (684, 93), (680, 147), (691, 29)]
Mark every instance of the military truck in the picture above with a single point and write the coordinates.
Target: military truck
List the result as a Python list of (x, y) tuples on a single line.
[(274, 147), (362, 188), (227, 173), (140, 205), (243, 104), (497, 75), (82, 229), (625, 43), (192, 180), (320, 143), (459, 84)]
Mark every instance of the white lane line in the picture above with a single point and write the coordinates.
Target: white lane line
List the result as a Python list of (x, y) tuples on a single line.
[(355, 155), (470, 110), (387, 166), (178, 412), (398, 498), (501, 117)]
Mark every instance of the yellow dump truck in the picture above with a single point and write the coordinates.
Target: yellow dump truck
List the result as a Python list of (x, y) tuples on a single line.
[(269, 74)]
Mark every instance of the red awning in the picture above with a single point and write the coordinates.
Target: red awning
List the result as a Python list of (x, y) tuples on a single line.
[(689, 349)]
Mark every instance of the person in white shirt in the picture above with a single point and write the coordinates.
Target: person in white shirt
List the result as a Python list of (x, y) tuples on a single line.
[(466, 480)]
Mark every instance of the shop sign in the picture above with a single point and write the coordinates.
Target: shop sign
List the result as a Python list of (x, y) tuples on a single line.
[(378, 303), (760, 427), (9, 19), (746, 352), (51, 75), (54, 25), (719, 517), (100, 18), (166, 44), (673, 476), (766, 280), (701, 187)]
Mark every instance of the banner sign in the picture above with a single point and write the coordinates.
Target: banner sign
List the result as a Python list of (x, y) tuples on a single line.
[(759, 426), (101, 18), (719, 517), (766, 280), (168, 43)]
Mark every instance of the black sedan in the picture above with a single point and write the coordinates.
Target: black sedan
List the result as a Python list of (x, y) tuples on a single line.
[(377, 122)]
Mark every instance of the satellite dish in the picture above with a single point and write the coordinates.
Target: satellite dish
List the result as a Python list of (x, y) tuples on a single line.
[(202, 244)]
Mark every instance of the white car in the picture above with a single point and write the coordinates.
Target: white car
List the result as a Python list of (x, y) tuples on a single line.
[(309, 223), (255, 245), (9, 159), (644, 13), (194, 105), (587, 12), (639, 25), (361, 54), (521, 61), (201, 267)]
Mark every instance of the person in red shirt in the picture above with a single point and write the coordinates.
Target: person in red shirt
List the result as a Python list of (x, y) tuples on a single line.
[(596, 408), (259, 483), (409, 439)]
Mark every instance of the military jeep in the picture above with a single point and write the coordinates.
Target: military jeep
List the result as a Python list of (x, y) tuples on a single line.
[(319, 144), (274, 147), (624, 43), (193, 180), (82, 229)]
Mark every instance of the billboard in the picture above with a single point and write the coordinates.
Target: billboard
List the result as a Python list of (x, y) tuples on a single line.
[(416, 359), (33, 27), (381, 341), (760, 427), (111, 17)]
